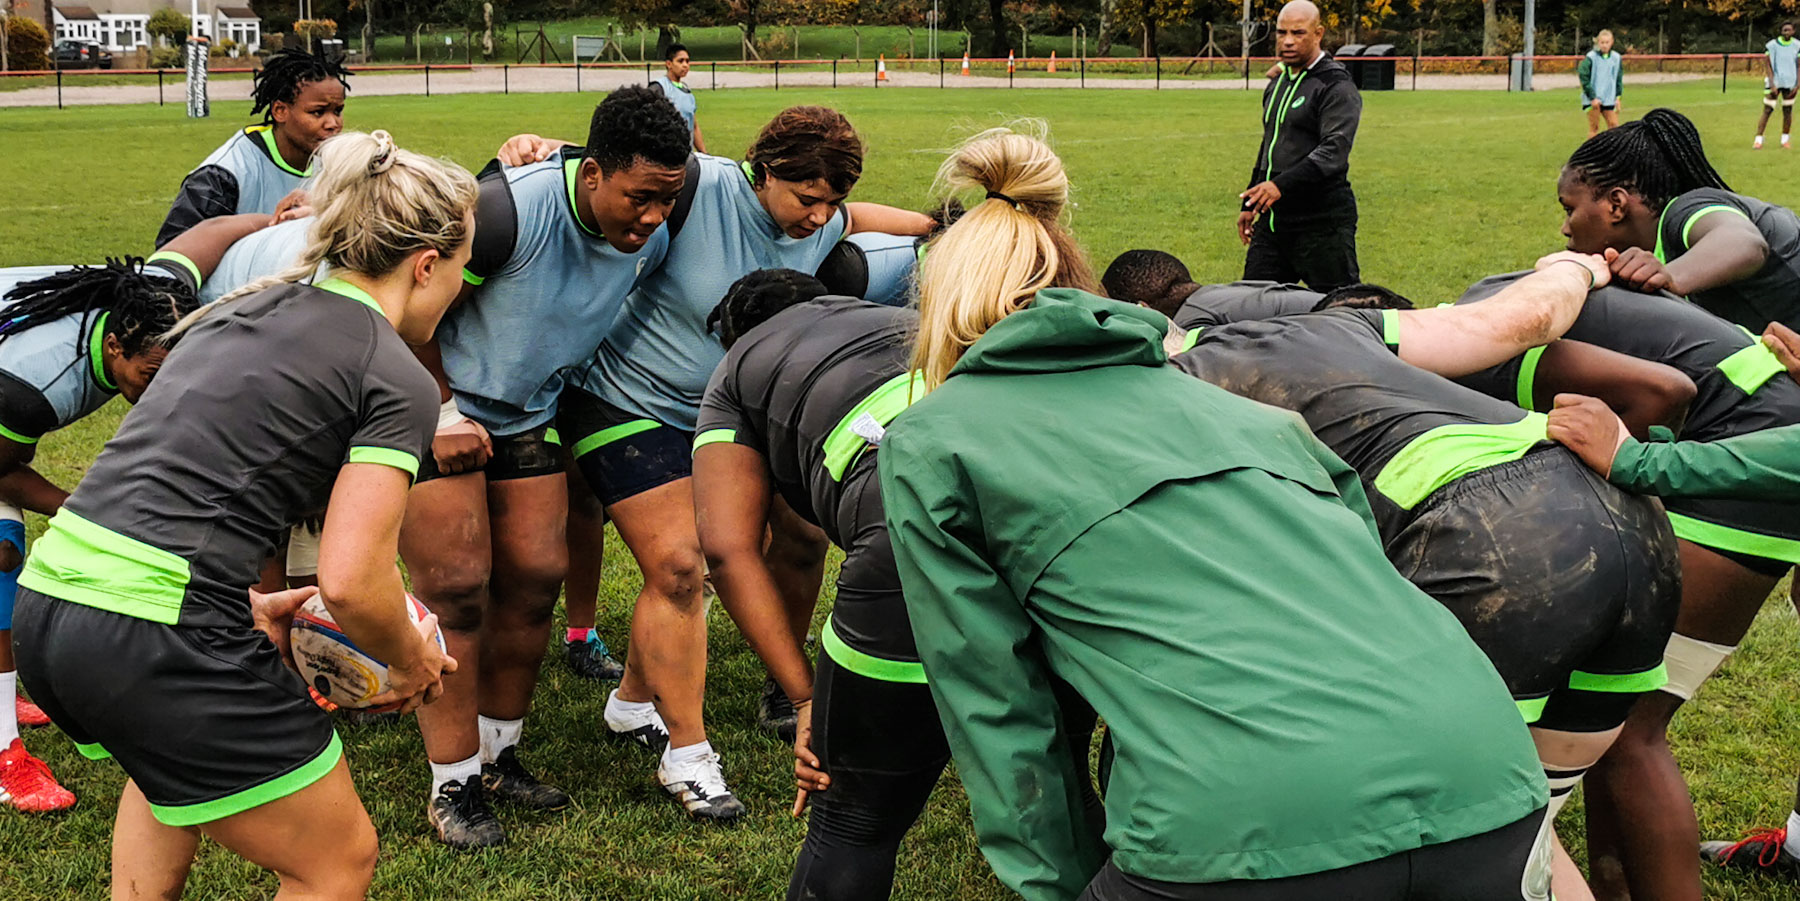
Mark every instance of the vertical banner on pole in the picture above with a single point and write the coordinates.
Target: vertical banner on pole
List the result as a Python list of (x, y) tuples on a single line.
[(197, 105)]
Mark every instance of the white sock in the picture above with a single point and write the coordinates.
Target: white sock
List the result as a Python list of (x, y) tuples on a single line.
[(460, 771), (1792, 844), (1759, 140), (9, 713), (674, 756), (497, 736), (618, 708), (1784, 139)]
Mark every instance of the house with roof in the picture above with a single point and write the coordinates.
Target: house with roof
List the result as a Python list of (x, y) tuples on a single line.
[(120, 24)]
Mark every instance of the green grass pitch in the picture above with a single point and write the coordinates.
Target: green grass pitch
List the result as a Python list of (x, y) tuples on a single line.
[(1452, 186)]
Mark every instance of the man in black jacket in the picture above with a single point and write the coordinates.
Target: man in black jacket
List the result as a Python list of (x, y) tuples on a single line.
[(1299, 214)]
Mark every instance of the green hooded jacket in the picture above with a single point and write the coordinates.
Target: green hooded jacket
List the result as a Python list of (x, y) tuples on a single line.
[(1207, 575)]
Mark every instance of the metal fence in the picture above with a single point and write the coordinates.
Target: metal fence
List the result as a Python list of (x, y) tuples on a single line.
[(161, 86)]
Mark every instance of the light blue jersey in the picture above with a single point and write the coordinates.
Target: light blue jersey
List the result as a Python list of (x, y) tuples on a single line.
[(259, 254), (263, 177), (680, 95), (1602, 77), (542, 312), (874, 266), (657, 360), (1784, 53), (53, 375)]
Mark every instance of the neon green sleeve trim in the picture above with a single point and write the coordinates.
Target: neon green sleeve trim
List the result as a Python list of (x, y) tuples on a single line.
[(386, 456), (1528, 377), (11, 435), (1726, 538), (1191, 338), (1390, 328), (1531, 710), (868, 664), (273, 790), (1751, 367), (553, 436), (1688, 225), (1621, 683), (714, 436), (93, 751), (170, 256), (613, 433), (472, 278)]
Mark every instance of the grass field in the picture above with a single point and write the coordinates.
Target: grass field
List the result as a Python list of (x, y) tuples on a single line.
[(1452, 186)]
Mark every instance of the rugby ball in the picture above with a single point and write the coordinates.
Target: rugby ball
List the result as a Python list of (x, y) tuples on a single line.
[(332, 664)]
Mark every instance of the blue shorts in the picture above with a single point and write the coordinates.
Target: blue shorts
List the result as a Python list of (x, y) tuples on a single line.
[(13, 531), (622, 455)]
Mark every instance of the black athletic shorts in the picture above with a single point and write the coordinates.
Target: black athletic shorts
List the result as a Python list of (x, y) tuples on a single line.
[(1759, 536), (621, 454), (1568, 584), (207, 721), (535, 452), (1589, 104), (1511, 863)]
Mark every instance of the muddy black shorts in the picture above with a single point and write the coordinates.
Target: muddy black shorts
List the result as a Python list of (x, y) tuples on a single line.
[(206, 720), (1568, 584), (621, 454), (534, 452)]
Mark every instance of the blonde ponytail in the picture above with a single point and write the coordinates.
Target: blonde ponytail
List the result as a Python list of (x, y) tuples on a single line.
[(1004, 250), (374, 204)]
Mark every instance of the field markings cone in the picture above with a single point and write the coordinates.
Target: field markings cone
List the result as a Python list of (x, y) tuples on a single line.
[(881, 68), (1009, 62), (1052, 62), (965, 69)]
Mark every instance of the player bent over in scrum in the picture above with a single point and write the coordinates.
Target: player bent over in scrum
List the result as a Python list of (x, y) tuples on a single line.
[(272, 403)]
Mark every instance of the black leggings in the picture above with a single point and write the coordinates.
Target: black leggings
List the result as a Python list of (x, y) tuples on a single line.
[(884, 748), (1511, 863)]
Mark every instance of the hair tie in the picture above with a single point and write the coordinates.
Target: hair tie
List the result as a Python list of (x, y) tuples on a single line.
[(383, 160), (996, 195)]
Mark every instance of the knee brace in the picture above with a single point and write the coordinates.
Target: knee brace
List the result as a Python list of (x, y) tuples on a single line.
[(1769, 102), (303, 551), (12, 530), (1691, 662)]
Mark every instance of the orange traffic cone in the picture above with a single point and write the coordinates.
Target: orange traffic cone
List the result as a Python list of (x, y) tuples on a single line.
[(1052, 62), (1009, 62), (965, 69), (881, 68)]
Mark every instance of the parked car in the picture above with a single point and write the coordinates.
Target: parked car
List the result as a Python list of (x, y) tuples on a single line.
[(82, 55)]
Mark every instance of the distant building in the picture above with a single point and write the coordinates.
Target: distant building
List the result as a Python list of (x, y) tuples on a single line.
[(119, 24)]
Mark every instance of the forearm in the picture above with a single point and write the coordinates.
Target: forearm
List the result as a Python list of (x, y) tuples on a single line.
[(1763, 465), (25, 487), (369, 604), (699, 142), (1720, 258), (205, 244), (1458, 340), (751, 596), (876, 217)]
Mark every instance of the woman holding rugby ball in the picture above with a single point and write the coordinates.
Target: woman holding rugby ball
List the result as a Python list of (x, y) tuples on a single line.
[(296, 394)]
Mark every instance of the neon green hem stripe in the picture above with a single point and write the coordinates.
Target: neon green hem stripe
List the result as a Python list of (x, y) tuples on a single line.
[(1390, 328), (92, 752), (386, 456), (1528, 377), (570, 168), (1724, 538), (714, 436), (268, 136), (843, 445), (1531, 710), (11, 435), (868, 664), (472, 278), (273, 790), (1621, 683), (1751, 367), (84, 563), (97, 359), (553, 436), (1688, 226), (1191, 338), (170, 256), (613, 433), (344, 289), (1449, 452)]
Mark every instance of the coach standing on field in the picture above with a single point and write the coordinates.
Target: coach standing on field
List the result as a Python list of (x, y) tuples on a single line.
[(1299, 214)]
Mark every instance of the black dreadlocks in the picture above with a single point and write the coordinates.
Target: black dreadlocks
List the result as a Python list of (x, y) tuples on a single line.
[(757, 297), (285, 73), (1657, 157), (142, 306)]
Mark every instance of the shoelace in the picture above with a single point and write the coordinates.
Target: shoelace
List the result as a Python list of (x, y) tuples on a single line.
[(466, 800), (28, 776), (710, 776), (1770, 855)]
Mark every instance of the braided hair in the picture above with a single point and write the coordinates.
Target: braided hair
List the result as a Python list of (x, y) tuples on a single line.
[(757, 297), (1363, 296), (142, 306), (1657, 157), (285, 73)]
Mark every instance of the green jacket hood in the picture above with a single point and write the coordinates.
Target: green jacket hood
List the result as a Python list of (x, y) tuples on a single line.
[(1065, 329)]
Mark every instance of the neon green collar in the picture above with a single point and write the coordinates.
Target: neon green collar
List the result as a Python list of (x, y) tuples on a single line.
[(340, 287), (570, 169), (1784, 41), (1660, 257), (268, 138), (97, 359)]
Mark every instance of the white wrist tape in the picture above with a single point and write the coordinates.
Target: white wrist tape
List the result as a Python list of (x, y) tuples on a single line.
[(449, 415)]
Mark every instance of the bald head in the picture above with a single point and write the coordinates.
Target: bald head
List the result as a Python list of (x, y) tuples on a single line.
[(1298, 32)]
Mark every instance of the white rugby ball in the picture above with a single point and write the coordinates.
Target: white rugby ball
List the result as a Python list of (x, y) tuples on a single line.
[(334, 666)]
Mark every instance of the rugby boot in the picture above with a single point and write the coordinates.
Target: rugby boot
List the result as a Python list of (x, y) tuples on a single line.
[(645, 728), (507, 780), (29, 714), (462, 817), (699, 787), (775, 714), (1764, 851), (590, 659), (26, 783)]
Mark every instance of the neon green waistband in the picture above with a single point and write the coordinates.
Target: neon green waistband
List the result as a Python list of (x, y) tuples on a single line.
[(868, 664), (1449, 452)]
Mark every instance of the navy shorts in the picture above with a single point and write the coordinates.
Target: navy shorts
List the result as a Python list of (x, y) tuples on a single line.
[(621, 454)]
